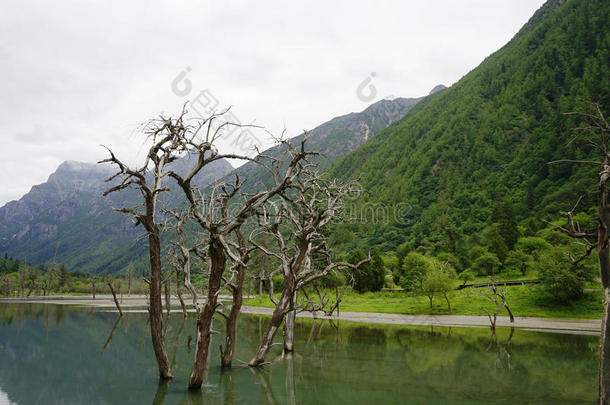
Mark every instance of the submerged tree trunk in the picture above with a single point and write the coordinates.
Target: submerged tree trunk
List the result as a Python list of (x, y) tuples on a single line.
[(289, 331), (289, 325), (226, 353), (603, 255), (179, 294), (155, 305), (283, 306), (168, 297), (204, 320), (116, 301), (604, 361)]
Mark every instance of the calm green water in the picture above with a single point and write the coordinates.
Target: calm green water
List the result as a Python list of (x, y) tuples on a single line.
[(54, 355)]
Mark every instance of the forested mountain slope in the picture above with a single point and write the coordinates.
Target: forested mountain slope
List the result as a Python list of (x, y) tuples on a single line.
[(477, 153)]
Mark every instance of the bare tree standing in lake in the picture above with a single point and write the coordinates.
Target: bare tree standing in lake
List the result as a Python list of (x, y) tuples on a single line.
[(221, 215), (148, 179), (296, 223)]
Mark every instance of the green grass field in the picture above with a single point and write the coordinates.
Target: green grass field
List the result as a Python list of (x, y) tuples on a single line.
[(526, 300)]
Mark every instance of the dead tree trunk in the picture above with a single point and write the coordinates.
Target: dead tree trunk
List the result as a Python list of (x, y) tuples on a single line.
[(283, 306), (289, 325), (93, 282), (168, 297), (163, 133), (603, 255), (204, 320), (226, 353), (155, 306), (116, 301), (179, 294)]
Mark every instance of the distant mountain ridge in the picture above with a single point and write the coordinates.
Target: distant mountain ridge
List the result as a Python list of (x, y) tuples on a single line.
[(69, 213)]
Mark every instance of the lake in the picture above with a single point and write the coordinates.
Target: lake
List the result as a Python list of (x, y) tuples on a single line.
[(59, 354)]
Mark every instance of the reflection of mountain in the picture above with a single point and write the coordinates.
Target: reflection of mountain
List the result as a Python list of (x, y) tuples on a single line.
[(54, 354)]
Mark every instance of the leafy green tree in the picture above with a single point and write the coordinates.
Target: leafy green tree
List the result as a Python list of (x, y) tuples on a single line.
[(519, 260), (560, 277), (532, 245), (487, 264), (452, 260), (414, 268), (401, 252), (439, 280), (475, 252), (466, 276)]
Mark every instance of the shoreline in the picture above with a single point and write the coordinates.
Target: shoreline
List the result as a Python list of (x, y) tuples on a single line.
[(548, 325)]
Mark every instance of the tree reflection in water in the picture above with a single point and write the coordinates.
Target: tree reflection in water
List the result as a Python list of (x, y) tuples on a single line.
[(59, 348)]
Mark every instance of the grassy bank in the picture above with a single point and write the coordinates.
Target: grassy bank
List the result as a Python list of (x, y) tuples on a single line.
[(526, 300)]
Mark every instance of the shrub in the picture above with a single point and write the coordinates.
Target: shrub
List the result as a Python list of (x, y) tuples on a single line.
[(466, 276), (560, 278)]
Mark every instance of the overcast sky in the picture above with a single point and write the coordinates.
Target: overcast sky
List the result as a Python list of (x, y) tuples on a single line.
[(77, 74)]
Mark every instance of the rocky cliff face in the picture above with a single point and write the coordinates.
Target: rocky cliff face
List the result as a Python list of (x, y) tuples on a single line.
[(68, 213)]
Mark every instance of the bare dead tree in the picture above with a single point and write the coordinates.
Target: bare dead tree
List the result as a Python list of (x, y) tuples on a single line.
[(93, 280), (116, 301), (236, 285), (181, 257), (320, 302), (498, 298), (596, 131), (296, 223), (218, 219), (148, 179)]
